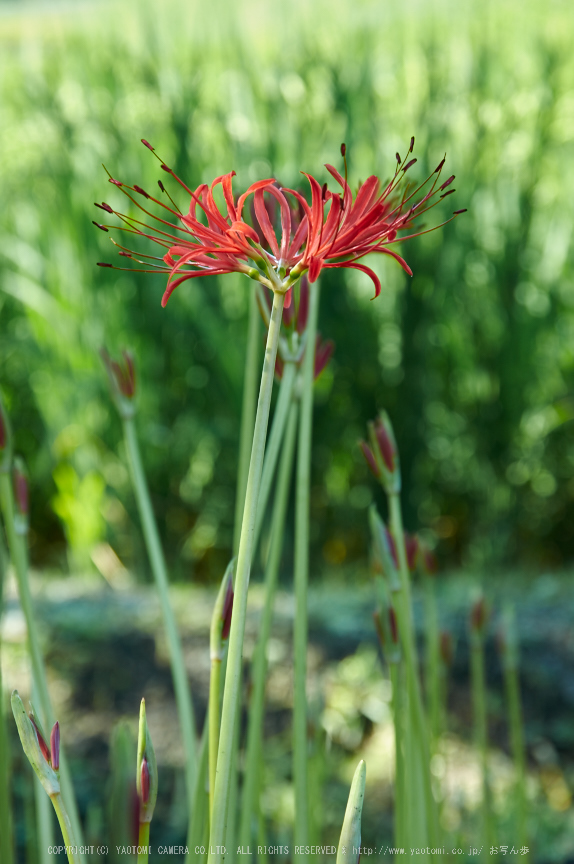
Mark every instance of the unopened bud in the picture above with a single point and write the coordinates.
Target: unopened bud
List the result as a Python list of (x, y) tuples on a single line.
[(122, 376), (30, 735), (384, 548), (21, 496), (323, 353), (369, 458), (146, 780), (478, 616), (40, 736), (55, 746), (384, 447), (349, 850), (394, 625), (221, 617), (5, 441)]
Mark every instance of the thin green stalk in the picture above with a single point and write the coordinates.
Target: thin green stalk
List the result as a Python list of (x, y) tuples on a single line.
[(157, 561), (44, 827), (301, 574), (213, 718), (233, 676), (143, 842), (432, 662), (6, 837), (517, 747), (478, 682), (274, 442), (197, 833), (259, 668), (68, 834), (18, 552), (398, 720), (247, 413), (427, 821)]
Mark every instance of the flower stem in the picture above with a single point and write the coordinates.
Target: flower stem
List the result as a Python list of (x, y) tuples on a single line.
[(302, 515), (478, 682), (68, 835), (6, 848), (143, 843), (157, 561), (247, 413), (259, 670), (233, 675), (18, 552), (198, 833), (213, 719)]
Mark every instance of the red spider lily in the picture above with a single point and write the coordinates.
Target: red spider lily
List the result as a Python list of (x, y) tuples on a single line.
[(369, 223), (333, 231)]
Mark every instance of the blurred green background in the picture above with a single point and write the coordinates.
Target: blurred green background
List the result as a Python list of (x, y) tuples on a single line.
[(473, 357)]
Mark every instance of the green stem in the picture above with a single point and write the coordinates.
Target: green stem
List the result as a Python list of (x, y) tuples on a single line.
[(517, 747), (68, 835), (398, 720), (197, 834), (481, 735), (419, 758), (274, 442), (301, 575), (18, 552), (157, 561), (6, 848), (233, 675), (213, 717), (432, 662), (143, 843), (247, 413), (259, 669)]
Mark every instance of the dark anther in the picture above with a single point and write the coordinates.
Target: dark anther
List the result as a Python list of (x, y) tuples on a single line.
[(165, 168), (412, 144), (125, 254), (147, 144), (409, 164), (343, 150), (104, 264), (398, 159), (101, 227), (456, 212), (446, 194), (161, 186), (447, 183), (115, 182), (104, 206), (439, 166), (141, 191)]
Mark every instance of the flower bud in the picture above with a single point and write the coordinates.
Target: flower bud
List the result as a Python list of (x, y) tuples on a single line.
[(384, 447), (349, 851), (55, 746), (478, 616), (221, 617), (123, 381), (37, 753), (146, 778), (323, 352), (369, 458), (384, 549), (21, 502)]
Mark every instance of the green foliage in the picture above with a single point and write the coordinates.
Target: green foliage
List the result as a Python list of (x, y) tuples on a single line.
[(472, 357)]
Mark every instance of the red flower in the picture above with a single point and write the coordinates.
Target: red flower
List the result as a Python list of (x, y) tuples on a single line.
[(333, 231)]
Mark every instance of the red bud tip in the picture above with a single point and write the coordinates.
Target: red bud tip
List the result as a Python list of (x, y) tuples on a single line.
[(409, 164), (440, 164), (43, 746), (103, 264), (446, 648), (447, 182), (369, 458), (478, 615), (227, 610), (411, 148), (145, 781), (394, 625), (161, 186), (343, 150), (385, 446), (147, 144), (55, 746), (141, 191), (323, 353)]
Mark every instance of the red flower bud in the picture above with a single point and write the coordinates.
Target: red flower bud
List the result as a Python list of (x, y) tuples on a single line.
[(43, 746), (369, 458), (385, 445), (55, 746), (323, 353), (394, 625), (227, 609)]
